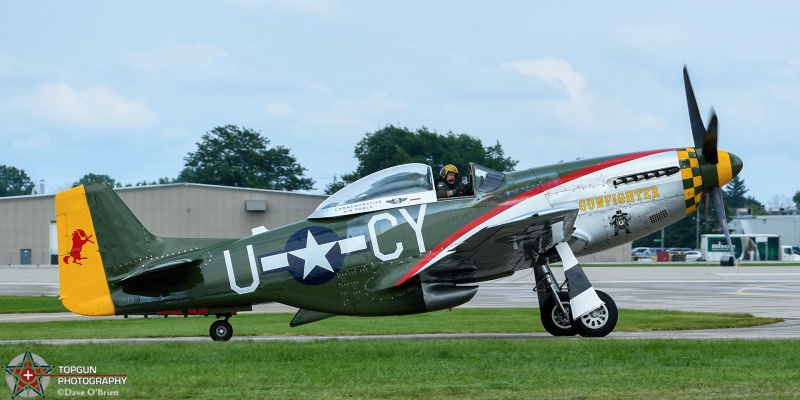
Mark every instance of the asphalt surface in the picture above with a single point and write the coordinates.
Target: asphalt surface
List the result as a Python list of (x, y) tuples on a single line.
[(772, 291)]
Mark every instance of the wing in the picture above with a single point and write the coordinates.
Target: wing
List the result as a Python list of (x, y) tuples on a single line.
[(500, 249)]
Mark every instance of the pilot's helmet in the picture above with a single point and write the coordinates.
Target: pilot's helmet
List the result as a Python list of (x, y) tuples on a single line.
[(446, 169)]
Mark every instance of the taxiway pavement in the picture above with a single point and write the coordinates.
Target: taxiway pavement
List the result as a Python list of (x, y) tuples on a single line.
[(768, 291)]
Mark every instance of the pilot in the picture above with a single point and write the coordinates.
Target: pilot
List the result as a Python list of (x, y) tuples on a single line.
[(446, 185)]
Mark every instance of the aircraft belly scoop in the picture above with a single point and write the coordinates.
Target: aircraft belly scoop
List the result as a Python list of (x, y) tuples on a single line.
[(304, 316)]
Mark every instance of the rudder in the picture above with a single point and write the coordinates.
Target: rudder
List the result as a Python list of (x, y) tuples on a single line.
[(83, 285)]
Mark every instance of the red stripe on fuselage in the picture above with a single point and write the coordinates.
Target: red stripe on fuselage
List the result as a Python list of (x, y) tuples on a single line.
[(517, 199)]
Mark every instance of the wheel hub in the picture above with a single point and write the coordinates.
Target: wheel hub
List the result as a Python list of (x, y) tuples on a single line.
[(596, 318), (560, 319)]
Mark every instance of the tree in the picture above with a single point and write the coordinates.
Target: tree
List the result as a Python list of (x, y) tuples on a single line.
[(233, 156), (734, 197), (734, 192), (14, 182), (161, 181), (780, 202), (393, 145), (756, 206), (91, 178)]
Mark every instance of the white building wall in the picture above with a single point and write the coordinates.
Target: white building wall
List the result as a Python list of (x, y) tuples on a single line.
[(787, 226)]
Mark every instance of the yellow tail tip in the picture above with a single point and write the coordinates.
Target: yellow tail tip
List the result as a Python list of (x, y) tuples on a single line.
[(84, 288)]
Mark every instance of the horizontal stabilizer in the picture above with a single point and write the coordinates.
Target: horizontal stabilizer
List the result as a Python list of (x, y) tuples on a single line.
[(157, 269)]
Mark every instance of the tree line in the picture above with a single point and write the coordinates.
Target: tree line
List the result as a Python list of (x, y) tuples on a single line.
[(236, 156)]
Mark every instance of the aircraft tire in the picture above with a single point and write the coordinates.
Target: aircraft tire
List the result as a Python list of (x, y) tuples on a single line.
[(221, 331), (601, 321), (552, 321)]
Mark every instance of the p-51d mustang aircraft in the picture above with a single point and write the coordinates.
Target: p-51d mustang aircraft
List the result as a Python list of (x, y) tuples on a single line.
[(385, 245)]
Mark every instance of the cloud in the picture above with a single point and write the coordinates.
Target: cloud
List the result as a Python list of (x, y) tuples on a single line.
[(556, 73), (31, 143), (279, 109), (581, 110), (357, 113), (92, 107), (790, 70), (173, 54), (322, 8), (652, 38), (354, 114)]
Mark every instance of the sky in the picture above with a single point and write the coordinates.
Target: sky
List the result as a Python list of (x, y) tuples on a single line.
[(127, 89)]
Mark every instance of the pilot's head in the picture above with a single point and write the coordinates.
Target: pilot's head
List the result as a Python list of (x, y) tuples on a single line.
[(449, 173)]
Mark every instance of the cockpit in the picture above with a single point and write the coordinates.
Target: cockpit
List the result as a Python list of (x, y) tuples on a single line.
[(398, 186)]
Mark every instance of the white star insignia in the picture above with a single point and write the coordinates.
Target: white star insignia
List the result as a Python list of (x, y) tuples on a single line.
[(314, 255)]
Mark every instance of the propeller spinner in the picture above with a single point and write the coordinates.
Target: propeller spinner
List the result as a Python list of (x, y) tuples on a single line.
[(717, 167)]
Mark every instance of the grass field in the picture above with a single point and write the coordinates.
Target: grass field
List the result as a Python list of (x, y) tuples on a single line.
[(549, 368), (30, 304), (439, 369), (464, 320)]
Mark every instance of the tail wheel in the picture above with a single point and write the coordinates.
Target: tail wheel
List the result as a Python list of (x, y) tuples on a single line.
[(600, 321), (553, 320), (221, 331)]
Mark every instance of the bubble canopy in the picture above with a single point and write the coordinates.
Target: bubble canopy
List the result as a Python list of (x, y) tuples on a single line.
[(399, 186)]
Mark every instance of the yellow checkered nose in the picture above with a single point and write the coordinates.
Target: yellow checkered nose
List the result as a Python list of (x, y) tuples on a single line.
[(692, 178), (699, 175)]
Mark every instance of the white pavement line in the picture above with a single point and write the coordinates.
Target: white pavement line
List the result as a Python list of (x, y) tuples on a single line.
[(760, 274), (28, 283)]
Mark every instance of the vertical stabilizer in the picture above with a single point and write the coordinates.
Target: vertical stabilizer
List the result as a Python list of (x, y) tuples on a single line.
[(84, 288)]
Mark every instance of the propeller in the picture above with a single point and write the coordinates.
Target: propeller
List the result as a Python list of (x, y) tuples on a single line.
[(717, 167), (705, 139)]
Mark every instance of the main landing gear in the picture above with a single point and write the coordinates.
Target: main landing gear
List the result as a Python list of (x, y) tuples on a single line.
[(578, 310), (221, 330)]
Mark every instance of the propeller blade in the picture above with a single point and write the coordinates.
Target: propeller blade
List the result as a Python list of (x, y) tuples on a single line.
[(698, 130), (710, 140), (719, 207)]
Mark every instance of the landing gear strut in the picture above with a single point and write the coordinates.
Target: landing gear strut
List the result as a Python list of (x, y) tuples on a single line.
[(221, 330), (555, 321), (556, 305)]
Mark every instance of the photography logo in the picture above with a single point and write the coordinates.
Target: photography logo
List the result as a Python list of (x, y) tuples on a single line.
[(26, 375)]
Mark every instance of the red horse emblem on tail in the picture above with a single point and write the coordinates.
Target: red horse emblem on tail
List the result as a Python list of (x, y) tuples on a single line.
[(79, 238)]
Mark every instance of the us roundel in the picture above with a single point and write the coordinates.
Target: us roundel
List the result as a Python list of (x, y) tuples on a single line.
[(313, 255), (440, 184)]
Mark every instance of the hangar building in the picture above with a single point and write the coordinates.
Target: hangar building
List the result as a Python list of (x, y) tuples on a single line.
[(28, 227)]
